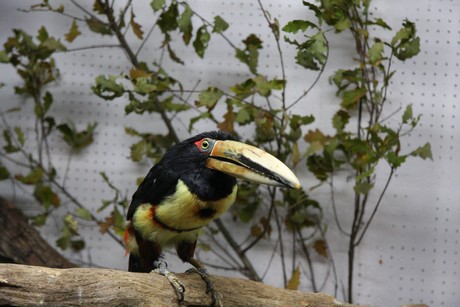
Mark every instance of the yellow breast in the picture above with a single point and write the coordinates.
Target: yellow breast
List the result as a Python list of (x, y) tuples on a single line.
[(182, 211)]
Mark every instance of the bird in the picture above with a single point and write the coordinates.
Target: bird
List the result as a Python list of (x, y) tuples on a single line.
[(193, 184)]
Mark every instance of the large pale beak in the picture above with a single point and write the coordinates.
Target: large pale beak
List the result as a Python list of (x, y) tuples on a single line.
[(250, 163)]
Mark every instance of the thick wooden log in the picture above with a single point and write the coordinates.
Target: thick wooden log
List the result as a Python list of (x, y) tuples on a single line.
[(22, 285), (21, 243)]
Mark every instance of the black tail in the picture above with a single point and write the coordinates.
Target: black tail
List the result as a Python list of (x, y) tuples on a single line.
[(135, 265)]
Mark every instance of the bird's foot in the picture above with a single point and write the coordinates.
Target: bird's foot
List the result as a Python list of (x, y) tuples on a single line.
[(162, 269), (209, 285)]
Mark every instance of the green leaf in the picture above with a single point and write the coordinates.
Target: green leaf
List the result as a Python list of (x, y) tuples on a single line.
[(4, 173), (340, 120), (119, 222), (423, 152), (248, 212), (9, 147), (77, 245), (408, 114), (39, 220), (342, 24), (137, 28), (201, 41), (46, 196), (352, 97), (244, 89), (42, 36), (54, 44), (209, 98), (408, 49), (33, 177), (19, 135), (405, 43), (71, 224), (98, 7), (313, 53), (64, 240), (108, 88), (144, 85), (168, 19), (315, 9), (73, 32), (298, 120), (250, 56), (4, 57), (157, 5), (83, 213), (41, 109), (77, 139), (137, 151), (298, 25), (376, 53), (173, 56), (175, 107), (263, 86), (220, 25), (363, 187), (98, 26), (243, 117), (185, 24), (379, 22), (395, 160)]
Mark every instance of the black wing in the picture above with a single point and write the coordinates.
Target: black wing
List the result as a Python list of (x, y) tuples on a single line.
[(158, 184)]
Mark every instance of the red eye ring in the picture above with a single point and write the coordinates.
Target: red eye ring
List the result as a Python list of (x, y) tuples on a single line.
[(204, 145)]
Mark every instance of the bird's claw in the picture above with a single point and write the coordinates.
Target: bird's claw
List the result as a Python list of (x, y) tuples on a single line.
[(162, 269), (209, 285)]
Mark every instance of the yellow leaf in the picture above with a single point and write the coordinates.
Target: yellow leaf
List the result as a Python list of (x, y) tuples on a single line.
[(256, 231), (294, 281), (135, 73), (105, 226), (137, 28), (73, 32), (229, 119), (295, 158), (320, 247)]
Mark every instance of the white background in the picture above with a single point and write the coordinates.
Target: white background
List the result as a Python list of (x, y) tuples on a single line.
[(411, 252)]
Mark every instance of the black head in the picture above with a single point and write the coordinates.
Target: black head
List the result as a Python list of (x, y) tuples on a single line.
[(187, 160)]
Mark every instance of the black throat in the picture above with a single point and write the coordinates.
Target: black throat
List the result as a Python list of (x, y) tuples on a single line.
[(208, 184)]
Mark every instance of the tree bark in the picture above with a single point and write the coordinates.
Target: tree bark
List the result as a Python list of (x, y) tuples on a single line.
[(21, 243), (22, 285)]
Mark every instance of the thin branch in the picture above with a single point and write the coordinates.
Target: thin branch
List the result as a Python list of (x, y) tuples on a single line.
[(145, 39), (318, 77), (280, 236), (92, 47), (309, 261), (334, 207), (252, 273), (379, 201)]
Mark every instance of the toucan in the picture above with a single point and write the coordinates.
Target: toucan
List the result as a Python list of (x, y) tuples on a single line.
[(193, 184)]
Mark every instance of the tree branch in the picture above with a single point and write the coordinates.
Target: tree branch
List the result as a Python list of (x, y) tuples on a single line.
[(21, 243), (22, 285)]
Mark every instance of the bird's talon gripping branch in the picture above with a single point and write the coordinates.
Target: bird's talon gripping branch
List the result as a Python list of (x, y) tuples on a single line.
[(161, 267), (193, 184)]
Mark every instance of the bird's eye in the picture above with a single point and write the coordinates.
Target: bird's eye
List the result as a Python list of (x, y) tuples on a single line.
[(204, 145)]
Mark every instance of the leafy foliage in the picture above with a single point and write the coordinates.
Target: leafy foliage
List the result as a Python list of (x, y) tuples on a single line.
[(258, 101)]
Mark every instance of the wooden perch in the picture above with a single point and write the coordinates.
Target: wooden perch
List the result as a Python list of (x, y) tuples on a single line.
[(22, 285)]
